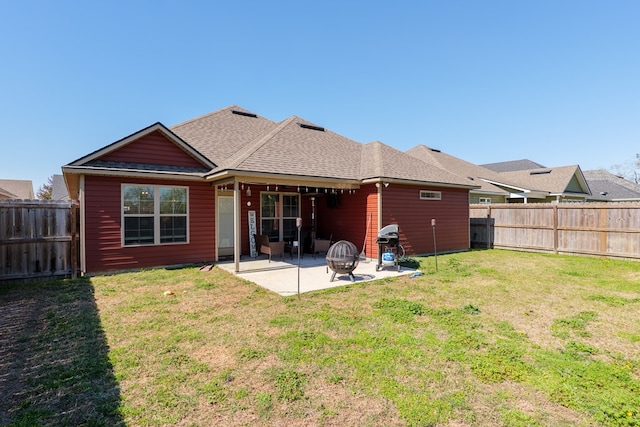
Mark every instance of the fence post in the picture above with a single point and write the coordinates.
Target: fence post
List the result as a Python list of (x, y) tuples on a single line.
[(489, 227), (555, 229), (74, 240)]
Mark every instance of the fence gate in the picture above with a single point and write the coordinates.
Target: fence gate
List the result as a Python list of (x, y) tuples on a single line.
[(38, 239)]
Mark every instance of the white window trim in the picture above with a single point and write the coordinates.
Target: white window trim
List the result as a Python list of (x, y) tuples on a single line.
[(484, 200), (437, 194), (156, 215)]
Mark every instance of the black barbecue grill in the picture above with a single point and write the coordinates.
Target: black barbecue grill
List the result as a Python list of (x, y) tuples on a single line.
[(388, 240)]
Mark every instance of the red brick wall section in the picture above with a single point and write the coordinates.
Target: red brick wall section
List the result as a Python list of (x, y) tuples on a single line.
[(104, 251)]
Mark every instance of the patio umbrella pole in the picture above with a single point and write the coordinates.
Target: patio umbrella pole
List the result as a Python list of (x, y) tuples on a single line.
[(435, 251)]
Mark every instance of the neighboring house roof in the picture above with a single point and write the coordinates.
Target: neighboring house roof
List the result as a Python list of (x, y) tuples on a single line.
[(234, 141), (563, 180), (16, 189), (607, 186), (537, 182), (474, 174), (513, 165), (59, 189)]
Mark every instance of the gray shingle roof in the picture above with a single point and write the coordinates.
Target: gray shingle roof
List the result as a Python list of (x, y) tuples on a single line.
[(614, 187), (553, 180), (513, 165), (254, 144), (474, 174), (397, 164), (221, 134)]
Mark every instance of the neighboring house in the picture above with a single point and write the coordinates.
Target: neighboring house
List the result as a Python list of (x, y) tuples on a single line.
[(192, 193), (544, 185), (59, 188), (16, 189), (608, 187), (512, 184)]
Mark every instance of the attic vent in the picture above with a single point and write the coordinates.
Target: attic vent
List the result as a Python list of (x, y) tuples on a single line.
[(306, 126), (435, 150), (470, 177), (540, 172), (244, 113)]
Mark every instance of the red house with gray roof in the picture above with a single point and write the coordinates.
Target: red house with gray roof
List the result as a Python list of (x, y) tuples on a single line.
[(190, 193)]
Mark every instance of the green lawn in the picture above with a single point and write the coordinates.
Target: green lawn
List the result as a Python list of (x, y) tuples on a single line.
[(492, 338)]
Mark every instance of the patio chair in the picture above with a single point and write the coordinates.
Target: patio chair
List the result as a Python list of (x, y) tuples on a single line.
[(264, 246), (321, 245)]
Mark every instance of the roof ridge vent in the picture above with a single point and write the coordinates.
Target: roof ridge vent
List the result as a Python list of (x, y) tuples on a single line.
[(312, 127), (244, 113), (435, 150), (540, 171)]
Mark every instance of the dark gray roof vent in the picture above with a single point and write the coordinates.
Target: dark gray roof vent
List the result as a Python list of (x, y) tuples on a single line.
[(312, 127), (244, 113), (540, 172), (435, 150), (471, 178)]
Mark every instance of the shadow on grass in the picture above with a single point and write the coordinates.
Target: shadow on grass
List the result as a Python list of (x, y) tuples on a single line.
[(54, 366)]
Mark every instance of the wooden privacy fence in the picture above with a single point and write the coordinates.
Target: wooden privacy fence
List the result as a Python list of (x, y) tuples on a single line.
[(601, 229), (38, 239)]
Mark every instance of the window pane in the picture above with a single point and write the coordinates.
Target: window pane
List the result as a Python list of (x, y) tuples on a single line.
[(138, 200), (138, 230), (291, 206), (269, 205), (270, 228), (290, 231), (173, 201), (173, 229)]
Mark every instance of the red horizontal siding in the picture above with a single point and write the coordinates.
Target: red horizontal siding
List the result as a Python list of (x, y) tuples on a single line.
[(348, 220), (102, 210), (153, 149), (402, 206)]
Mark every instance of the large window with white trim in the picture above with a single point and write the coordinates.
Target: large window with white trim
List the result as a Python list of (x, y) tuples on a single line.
[(153, 215), (278, 213)]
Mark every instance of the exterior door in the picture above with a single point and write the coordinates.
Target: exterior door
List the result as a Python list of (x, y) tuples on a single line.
[(224, 235)]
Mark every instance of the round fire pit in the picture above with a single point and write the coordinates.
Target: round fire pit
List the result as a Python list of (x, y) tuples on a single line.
[(343, 258)]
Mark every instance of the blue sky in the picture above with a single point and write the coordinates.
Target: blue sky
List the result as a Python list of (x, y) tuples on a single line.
[(557, 82)]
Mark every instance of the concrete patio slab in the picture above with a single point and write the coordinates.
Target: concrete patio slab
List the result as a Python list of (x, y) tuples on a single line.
[(281, 276)]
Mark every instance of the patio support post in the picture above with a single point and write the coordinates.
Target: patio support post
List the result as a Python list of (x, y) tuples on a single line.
[(237, 241), (380, 225)]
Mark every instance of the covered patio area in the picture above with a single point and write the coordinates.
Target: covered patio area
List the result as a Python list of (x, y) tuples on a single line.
[(281, 276)]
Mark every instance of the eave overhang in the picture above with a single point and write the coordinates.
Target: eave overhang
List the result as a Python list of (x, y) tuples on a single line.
[(282, 179), (417, 182)]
